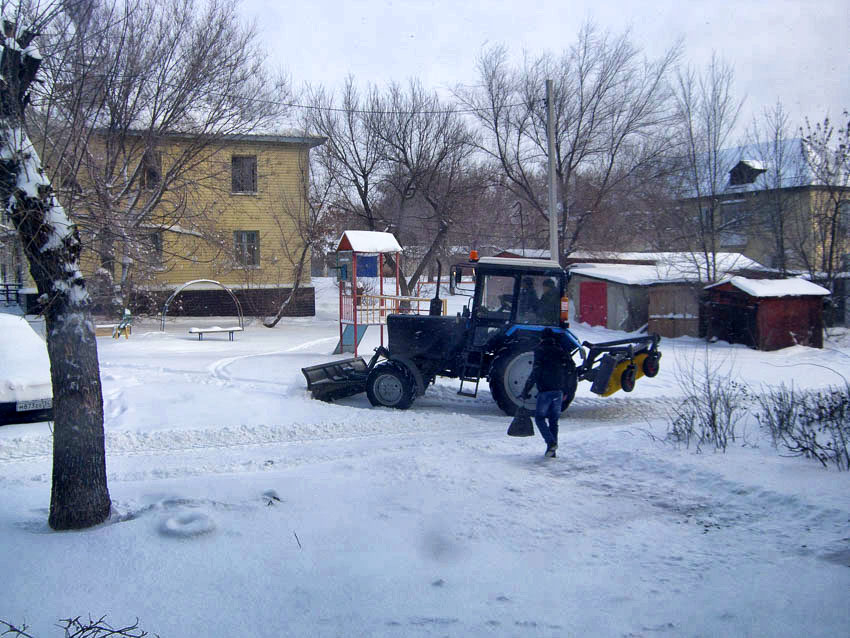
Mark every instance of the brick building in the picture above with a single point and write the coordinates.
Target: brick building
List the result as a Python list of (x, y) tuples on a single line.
[(247, 203)]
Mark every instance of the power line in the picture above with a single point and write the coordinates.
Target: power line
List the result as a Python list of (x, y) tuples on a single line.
[(332, 109)]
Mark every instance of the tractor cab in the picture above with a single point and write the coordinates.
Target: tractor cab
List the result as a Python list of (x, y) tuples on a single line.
[(512, 292)]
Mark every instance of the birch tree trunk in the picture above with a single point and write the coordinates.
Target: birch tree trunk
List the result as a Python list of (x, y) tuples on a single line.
[(79, 496)]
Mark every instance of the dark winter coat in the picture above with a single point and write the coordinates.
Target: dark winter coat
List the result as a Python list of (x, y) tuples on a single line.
[(550, 306), (549, 369)]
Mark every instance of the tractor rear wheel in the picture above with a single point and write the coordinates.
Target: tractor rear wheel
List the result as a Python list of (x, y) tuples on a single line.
[(570, 385), (509, 373), (391, 385)]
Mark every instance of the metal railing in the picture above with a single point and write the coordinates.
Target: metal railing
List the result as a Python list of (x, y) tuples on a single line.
[(10, 292), (372, 310)]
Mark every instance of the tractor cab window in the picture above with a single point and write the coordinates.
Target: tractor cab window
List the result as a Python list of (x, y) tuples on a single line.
[(497, 293), (549, 307), (539, 301)]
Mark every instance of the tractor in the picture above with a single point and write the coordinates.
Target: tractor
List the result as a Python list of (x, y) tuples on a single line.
[(511, 301)]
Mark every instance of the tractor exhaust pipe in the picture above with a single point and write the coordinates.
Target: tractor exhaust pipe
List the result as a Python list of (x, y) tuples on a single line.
[(436, 308)]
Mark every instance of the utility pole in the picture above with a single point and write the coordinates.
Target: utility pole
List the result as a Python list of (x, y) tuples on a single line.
[(553, 191)]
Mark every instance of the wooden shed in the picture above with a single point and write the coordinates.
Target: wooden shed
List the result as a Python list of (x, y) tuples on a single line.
[(661, 291), (766, 314), (674, 309)]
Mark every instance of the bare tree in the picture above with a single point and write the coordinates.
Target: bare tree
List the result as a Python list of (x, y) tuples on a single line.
[(707, 116), (826, 150), (138, 95), (427, 147), (396, 162), (353, 157), (611, 110), (79, 496), (778, 216)]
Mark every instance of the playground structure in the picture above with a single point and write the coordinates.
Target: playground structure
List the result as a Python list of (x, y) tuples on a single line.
[(361, 252), (200, 331)]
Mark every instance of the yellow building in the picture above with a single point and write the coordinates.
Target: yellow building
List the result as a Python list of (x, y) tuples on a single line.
[(237, 216)]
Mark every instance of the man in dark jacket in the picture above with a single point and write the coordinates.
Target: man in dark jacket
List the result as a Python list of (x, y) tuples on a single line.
[(528, 302), (549, 308), (548, 373)]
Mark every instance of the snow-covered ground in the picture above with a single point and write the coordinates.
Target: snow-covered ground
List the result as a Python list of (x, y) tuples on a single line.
[(244, 508)]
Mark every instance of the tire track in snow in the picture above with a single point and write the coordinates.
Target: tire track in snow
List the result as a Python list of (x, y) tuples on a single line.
[(218, 369)]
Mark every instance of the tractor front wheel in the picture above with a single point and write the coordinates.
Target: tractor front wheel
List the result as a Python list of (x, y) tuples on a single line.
[(391, 385)]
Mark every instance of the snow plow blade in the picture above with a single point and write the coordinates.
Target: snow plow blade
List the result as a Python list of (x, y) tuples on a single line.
[(337, 379)]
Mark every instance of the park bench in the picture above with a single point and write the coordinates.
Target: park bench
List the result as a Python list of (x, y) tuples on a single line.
[(202, 331)]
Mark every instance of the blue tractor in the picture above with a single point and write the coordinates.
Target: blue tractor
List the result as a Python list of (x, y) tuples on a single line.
[(511, 302)]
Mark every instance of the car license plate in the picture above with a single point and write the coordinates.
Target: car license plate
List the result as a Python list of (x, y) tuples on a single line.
[(35, 404)]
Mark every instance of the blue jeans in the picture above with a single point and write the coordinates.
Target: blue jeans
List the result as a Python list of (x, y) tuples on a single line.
[(548, 407)]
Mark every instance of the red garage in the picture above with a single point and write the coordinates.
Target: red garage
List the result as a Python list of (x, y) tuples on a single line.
[(766, 314)]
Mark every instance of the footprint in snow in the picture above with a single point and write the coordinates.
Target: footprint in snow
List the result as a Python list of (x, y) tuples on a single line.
[(188, 525)]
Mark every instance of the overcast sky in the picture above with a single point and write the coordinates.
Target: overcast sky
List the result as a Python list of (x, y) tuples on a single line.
[(795, 51)]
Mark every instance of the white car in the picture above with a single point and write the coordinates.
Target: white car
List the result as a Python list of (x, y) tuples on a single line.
[(26, 393)]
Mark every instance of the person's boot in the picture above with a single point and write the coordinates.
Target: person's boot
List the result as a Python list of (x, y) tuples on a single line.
[(550, 451)]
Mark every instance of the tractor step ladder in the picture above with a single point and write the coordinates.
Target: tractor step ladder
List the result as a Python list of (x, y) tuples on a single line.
[(471, 371)]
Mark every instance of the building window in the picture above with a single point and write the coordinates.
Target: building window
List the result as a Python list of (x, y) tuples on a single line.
[(734, 213), (247, 247), (151, 171), (244, 174), (844, 215)]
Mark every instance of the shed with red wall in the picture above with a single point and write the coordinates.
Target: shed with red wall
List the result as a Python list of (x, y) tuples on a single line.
[(766, 314)]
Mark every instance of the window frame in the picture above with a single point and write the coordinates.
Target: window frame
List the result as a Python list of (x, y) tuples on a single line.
[(156, 240), (246, 253), (150, 176), (239, 177)]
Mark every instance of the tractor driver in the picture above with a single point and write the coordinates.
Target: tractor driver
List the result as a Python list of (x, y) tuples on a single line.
[(528, 302), (549, 308)]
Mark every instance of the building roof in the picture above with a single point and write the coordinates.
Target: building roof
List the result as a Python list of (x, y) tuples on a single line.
[(521, 262), (533, 253), (663, 267), (289, 136), (760, 169), (367, 241), (792, 287)]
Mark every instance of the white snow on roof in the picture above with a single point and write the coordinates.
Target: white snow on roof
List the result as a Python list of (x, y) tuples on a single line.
[(367, 241), (668, 267), (793, 287), (534, 253), (628, 274), (755, 164), (524, 262)]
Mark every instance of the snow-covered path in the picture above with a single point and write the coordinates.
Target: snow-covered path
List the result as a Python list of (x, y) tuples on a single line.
[(243, 507)]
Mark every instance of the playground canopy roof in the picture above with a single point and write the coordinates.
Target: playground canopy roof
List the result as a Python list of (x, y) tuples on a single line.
[(367, 241)]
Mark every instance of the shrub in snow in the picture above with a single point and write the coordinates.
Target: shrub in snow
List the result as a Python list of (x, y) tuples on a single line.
[(814, 424), (76, 628), (713, 405)]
